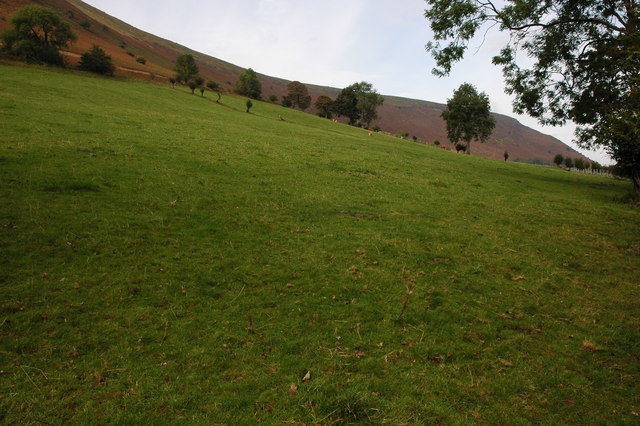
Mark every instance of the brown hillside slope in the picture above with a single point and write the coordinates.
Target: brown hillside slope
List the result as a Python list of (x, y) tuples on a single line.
[(418, 118)]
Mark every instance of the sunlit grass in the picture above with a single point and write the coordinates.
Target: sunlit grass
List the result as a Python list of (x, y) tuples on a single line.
[(168, 259)]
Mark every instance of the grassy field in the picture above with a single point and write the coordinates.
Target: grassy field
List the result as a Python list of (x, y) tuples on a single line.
[(165, 259)]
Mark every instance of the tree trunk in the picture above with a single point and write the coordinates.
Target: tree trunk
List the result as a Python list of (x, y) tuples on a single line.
[(468, 148), (635, 177)]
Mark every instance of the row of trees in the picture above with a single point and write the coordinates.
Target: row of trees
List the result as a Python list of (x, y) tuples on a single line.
[(357, 102), (578, 163)]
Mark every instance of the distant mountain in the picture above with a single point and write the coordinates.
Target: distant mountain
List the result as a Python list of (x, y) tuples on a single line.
[(126, 44)]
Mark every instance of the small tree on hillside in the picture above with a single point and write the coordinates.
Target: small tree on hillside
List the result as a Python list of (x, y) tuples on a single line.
[(192, 85), (249, 105), (37, 36), (558, 159), (185, 68), (579, 163), (568, 162), (215, 87), (249, 85), (96, 60), (468, 116), (298, 95), (324, 104), (506, 156)]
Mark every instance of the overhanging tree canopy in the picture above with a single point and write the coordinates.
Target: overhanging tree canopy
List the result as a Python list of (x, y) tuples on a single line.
[(586, 63)]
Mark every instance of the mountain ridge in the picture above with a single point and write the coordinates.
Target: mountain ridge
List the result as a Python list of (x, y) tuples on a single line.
[(419, 118)]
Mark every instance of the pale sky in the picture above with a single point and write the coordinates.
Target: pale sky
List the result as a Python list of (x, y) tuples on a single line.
[(330, 43)]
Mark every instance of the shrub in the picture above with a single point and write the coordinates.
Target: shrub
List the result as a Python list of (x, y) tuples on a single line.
[(141, 60), (96, 60)]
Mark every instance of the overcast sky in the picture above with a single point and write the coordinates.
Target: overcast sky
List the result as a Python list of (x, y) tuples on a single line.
[(330, 43)]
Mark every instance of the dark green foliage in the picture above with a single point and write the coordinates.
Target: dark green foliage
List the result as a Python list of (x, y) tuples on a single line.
[(346, 105), (249, 85), (586, 64), (579, 163), (286, 102), (273, 98), (436, 142), (85, 24), (249, 104), (558, 159), (461, 147), (506, 156), (298, 95), (173, 81), (568, 162), (468, 116), (141, 60), (96, 60), (37, 36), (192, 86), (368, 102), (358, 101), (324, 104), (185, 68)]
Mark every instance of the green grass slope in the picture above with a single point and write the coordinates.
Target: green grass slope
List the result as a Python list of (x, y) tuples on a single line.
[(165, 259)]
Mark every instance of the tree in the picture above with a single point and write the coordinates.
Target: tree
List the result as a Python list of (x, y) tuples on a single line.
[(579, 163), (172, 81), (298, 95), (558, 159), (506, 156), (249, 85), (215, 87), (468, 116), (192, 85), (96, 60), (37, 36), (324, 105), (585, 63), (249, 104), (368, 101), (185, 68), (346, 105), (358, 101), (568, 162)]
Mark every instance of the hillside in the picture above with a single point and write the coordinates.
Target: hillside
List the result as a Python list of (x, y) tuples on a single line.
[(419, 118), (167, 259)]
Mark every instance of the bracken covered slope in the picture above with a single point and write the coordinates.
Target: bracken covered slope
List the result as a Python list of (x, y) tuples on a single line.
[(418, 118)]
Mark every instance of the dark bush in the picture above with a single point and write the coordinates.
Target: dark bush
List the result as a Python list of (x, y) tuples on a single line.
[(96, 60)]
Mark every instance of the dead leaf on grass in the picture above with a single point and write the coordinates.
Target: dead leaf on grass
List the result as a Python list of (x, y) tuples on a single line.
[(505, 363), (518, 278), (293, 389), (590, 346), (307, 377)]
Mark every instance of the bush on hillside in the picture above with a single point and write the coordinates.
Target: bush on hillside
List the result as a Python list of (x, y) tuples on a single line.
[(96, 60)]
